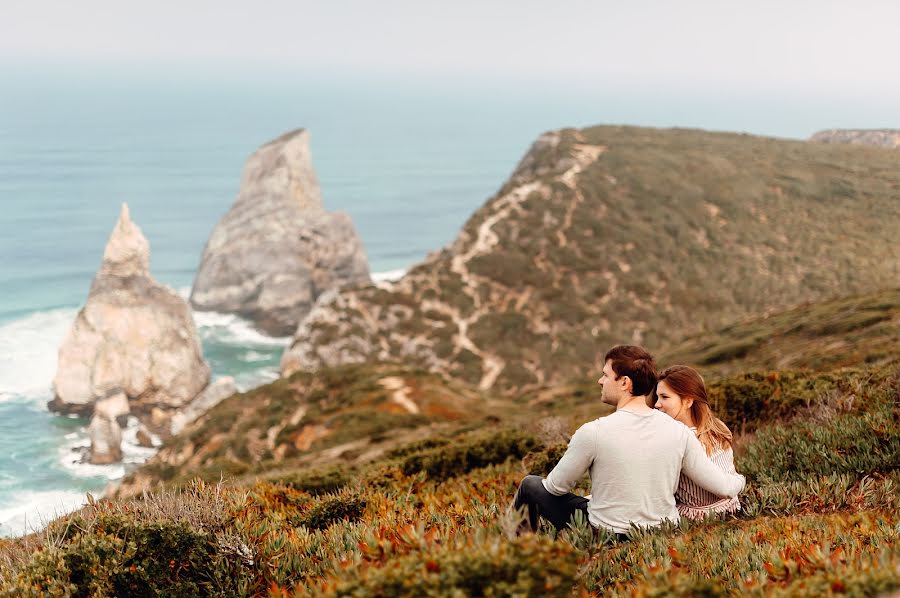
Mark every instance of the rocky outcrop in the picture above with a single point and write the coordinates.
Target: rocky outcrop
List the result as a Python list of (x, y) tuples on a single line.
[(277, 250), (133, 334), (622, 234), (105, 430), (214, 394), (106, 440), (889, 138)]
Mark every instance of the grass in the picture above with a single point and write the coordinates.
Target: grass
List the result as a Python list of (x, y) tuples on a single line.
[(862, 329), (429, 517)]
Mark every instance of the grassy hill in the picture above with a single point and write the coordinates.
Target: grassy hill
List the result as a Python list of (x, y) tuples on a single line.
[(428, 518), (343, 417), (851, 331), (622, 234), (339, 418)]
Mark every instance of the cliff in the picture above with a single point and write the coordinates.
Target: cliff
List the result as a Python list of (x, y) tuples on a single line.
[(889, 138), (621, 234)]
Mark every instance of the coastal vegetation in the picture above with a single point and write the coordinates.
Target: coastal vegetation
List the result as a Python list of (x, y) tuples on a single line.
[(862, 329), (426, 513)]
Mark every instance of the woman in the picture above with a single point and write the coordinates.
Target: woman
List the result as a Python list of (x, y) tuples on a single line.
[(681, 394)]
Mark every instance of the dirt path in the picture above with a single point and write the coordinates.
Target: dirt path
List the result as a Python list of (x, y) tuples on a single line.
[(486, 239), (400, 393)]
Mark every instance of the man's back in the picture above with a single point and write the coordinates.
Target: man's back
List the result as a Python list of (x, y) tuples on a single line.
[(635, 460)]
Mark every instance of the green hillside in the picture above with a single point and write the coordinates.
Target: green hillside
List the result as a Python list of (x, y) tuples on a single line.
[(622, 234), (339, 419), (851, 331), (821, 516)]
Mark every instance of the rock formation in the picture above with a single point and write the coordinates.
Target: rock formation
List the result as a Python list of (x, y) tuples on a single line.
[(212, 395), (889, 138), (133, 334), (106, 440), (277, 250), (622, 234)]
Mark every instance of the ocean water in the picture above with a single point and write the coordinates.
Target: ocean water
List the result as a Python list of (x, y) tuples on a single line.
[(408, 164)]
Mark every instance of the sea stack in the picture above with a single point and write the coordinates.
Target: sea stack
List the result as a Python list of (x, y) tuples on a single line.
[(134, 336), (277, 249)]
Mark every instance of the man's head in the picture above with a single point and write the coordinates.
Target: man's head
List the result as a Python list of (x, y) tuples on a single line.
[(629, 371)]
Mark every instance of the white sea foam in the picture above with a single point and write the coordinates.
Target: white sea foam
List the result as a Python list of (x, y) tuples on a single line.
[(74, 452), (388, 275), (28, 352), (234, 330), (253, 356), (31, 510)]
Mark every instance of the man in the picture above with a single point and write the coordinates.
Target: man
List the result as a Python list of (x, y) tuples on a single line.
[(634, 457)]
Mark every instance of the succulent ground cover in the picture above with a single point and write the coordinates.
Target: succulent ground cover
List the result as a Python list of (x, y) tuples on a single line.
[(429, 517)]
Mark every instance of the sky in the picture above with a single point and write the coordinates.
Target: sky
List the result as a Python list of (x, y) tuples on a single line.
[(801, 51)]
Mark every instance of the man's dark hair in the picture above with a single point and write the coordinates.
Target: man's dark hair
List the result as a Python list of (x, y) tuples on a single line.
[(636, 363)]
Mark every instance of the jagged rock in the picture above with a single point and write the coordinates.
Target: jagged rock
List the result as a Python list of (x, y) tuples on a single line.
[(160, 420), (277, 249), (106, 440), (133, 334), (214, 394), (144, 438), (113, 406), (889, 138)]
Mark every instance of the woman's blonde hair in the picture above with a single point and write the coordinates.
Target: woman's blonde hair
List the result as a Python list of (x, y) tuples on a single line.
[(687, 383)]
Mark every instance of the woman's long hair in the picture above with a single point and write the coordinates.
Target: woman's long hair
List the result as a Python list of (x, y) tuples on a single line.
[(687, 383)]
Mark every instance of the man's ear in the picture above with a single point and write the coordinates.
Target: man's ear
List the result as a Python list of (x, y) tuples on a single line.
[(627, 384)]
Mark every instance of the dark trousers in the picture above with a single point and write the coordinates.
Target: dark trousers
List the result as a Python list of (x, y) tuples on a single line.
[(558, 510)]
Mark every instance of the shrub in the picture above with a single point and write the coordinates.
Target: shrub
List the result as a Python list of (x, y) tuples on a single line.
[(418, 446), (750, 399), (542, 462), (527, 566), (476, 451), (852, 443), (124, 557), (332, 508), (315, 481)]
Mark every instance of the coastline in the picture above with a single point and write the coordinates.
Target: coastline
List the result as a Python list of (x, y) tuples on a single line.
[(232, 345)]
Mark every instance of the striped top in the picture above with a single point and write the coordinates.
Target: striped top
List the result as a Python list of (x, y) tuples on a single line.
[(694, 502)]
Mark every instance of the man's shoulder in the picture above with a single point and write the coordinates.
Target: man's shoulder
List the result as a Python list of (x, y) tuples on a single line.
[(617, 418), (592, 426), (665, 421)]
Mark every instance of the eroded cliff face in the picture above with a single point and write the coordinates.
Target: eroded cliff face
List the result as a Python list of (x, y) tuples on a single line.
[(277, 249), (889, 138), (621, 234)]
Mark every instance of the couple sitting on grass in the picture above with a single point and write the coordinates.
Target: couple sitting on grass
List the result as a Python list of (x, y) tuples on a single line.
[(646, 465)]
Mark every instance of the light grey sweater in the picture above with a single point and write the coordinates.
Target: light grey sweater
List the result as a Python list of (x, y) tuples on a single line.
[(635, 461)]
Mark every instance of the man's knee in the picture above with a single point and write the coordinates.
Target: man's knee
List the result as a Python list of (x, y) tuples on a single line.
[(531, 485)]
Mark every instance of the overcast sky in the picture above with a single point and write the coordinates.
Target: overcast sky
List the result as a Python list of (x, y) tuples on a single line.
[(784, 46)]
